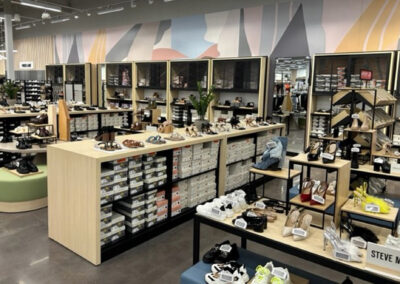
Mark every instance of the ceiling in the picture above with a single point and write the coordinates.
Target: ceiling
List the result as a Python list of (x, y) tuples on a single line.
[(69, 9)]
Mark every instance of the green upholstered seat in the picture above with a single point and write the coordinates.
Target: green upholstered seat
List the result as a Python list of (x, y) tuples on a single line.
[(17, 189)]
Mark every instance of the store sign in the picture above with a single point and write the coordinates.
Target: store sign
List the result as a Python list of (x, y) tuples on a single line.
[(26, 65), (385, 257)]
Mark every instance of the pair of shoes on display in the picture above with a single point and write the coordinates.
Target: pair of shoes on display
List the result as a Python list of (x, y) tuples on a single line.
[(235, 123), (252, 221), (274, 205), (42, 132), (23, 143), (251, 194), (297, 225), (24, 165), (356, 231), (221, 253), (329, 155), (313, 191), (40, 119), (192, 132), (224, 206), (274, 155), (207, 128), (267, 213), (363, 127), (230, 272), (342, 249), (382, 164), (370, 203), (266, 274), (6, 138)]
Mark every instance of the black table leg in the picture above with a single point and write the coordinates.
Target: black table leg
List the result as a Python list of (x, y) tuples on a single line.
[(196, 240), (243, 243)]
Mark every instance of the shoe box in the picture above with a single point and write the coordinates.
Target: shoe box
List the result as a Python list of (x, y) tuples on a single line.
[(112, 226), (81, 123), (111, 119), (201, 188), (154, 172), (175, 162), (319, 126), (93, 122), (114, 181), (326, 82), (135, 175)]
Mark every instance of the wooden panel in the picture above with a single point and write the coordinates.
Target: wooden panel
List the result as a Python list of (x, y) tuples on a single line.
[(64, 121), (74, 203), (261, 90), (222, 167), (16, 207), (93, 84), (39, 49), (342, 190)]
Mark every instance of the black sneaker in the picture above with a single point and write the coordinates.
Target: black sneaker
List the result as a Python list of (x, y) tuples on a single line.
[(22, 167), (225, 256), (11, 165), (209, 257), (31, 166)]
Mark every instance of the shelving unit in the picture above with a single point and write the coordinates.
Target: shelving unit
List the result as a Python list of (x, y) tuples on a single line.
[(73, 82), (335, 74), (238, 77), (31, 90), (118, 86), (151, 82), (83, 182), (183, 82)]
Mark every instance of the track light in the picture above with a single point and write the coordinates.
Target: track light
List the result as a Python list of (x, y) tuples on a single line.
[(76, 17), (39, 5), (133, 3), (22, 27), (110, 10), (60, 20)]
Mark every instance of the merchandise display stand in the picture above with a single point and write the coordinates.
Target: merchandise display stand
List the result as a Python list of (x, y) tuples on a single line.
[(74, 190), (342, 168), (311, 249)]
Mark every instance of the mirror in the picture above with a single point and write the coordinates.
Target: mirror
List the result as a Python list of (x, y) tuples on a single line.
[(291, 83)]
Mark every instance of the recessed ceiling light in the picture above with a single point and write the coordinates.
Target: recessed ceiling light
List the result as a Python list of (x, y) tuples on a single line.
[(60, 20), (22, 27), (76, 17), (88, 14)]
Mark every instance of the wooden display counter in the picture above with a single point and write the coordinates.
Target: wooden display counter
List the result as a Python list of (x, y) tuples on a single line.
[(74, 184)]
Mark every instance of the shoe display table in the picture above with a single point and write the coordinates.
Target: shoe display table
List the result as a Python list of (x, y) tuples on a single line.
[(23, 194), (311, 249), (196, 273), (74, 189)]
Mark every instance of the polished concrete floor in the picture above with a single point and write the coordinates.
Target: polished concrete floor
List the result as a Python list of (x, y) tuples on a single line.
[(28, 256)]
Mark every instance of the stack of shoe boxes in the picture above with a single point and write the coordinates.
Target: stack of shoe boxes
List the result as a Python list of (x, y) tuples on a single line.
[(185, 162), (176, 200), (154, 171), (209, 156), (134, 211), (341, 80), (72, 125), (240, 150), (355, 81), (237, 174), (93, 122), (201, 188), (112, 225), (135, 175), (197, 158), (326, 82), (112, 119), (114, 181), (176, 153), (319, 126)]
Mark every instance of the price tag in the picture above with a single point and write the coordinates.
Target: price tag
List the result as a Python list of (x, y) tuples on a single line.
[(357, 145), (355, 116), (359, 242), (378, 161), (216, 211), (342, 255), (260, 205), (316, 184), (280, 273), (318, 198), (299, 232), (370, 207), (225, 248), (251, 214), (355, 150), (241, 223), (271, 144), (389, 201), (327, 156), (226, 276)]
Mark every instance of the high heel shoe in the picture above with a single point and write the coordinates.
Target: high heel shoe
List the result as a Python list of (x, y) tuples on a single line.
[(354, 125), (354, 159), (291, 221), (365, 124), (306, 190), (315, 150), (370, 203), (319, 194), (343, 250), (301, 230), (330, 153)]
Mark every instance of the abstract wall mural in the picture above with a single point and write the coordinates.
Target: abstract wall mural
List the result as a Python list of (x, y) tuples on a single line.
[(329, 26)]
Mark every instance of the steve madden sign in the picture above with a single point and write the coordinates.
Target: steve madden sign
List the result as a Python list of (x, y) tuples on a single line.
[(384, 257)]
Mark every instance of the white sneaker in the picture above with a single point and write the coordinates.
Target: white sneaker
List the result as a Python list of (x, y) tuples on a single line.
[(233, 265), (392, 241)]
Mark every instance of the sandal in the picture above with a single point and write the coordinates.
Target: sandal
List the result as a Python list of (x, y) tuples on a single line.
[(175, 136), (306, 189), (318, 195), (132, 143)]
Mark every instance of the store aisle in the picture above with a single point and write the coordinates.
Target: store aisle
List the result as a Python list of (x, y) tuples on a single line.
[(28, 256)]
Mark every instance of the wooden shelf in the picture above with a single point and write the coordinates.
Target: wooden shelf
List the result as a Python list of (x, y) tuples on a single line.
[(384, 124), (43, 138), (280, 174), (39, 125), (118, 86), (350, 208), (369, 169), (331, 138), (302, 159), (360, 131), (382, 153), (321, 113), (119, 99), (11, 148), (14, 172), (329, 200)]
